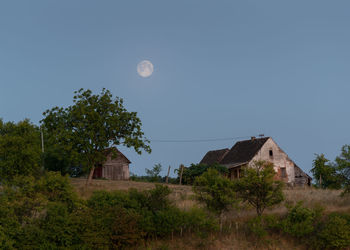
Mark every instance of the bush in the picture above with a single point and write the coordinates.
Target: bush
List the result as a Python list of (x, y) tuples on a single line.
[(57, 188), (301, 221), (214, 191), (335, 232)]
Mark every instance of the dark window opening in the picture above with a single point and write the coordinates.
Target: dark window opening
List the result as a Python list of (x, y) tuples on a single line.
[(271, 153), (283, 173)]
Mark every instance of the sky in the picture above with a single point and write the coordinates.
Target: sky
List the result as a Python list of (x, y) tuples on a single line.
[(222, 69)]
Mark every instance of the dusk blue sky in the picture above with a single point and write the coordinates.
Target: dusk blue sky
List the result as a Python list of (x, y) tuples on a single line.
[(221, 69)]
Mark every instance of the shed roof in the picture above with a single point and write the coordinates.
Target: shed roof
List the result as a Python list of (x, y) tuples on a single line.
[(109, 151)]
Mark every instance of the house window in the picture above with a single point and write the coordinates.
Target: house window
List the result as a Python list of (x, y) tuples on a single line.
[(283, 173), (270, 153)]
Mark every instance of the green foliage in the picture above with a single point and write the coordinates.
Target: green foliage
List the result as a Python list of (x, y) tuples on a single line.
[(94, 123), (258, 187), (45, 213), (343, 164), (153, 173), (195, 170), (256, 227), (215, 191), (334, 233), (20, 149), (57, 188), (260, 226), (325, 173), (301, 221)]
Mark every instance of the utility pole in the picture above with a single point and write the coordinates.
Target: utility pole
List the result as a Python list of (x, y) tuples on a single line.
[(167, 177), (42, 140), (42, 146), (181, 171)]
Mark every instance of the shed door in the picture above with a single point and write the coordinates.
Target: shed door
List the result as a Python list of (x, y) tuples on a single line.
[(98, 172)]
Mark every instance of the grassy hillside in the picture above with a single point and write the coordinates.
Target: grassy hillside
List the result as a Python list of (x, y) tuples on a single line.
[(182, 195), (234, 236)]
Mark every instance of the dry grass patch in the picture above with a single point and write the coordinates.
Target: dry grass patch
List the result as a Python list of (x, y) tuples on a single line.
[(181, 194), (331, 200)]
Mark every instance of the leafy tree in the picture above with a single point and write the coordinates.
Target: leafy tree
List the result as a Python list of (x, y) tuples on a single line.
[(91, 125), (20, 149), (153, 173), (325, 173), (215, 191), (190, 173), (343, 165), (258, 187)]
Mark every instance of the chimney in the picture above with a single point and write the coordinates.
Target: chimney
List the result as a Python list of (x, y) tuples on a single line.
[(253, 138)]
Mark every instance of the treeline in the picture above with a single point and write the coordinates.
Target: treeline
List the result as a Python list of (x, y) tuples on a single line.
[(333, 174), (187, 174)]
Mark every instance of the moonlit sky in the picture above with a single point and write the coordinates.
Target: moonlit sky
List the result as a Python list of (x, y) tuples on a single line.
[(221, 69)]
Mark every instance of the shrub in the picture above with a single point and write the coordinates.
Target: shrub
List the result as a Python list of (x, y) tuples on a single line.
[(258, 187), (214, 191), (57, 188), (301, 221), (335, 232)]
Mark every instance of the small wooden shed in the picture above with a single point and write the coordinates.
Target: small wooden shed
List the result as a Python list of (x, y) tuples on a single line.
[(116, 166)]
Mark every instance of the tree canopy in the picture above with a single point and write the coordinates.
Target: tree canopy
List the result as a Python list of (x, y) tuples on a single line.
[(343, 164), (20, 149), (91, 125), (325, 173)]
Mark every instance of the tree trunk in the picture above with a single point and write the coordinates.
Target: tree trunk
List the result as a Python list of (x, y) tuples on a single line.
[(91, 174)]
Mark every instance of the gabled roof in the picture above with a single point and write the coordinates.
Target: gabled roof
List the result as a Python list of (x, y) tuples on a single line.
[(109, 151), (244, 151), (214, 156)]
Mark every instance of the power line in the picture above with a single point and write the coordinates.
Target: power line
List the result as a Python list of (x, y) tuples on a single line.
[(206, 140)]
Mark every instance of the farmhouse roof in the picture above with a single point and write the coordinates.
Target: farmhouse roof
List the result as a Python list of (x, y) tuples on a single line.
[(244, 151), (214, 156)]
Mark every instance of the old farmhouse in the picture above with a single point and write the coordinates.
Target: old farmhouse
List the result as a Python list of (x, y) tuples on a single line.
[(116, 166), (244, 153)]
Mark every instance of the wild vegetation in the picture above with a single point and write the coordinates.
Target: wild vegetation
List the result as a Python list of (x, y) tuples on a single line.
[(43, 209)]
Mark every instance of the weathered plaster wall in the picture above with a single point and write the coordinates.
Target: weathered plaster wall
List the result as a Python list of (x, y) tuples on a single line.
[(280, 159)]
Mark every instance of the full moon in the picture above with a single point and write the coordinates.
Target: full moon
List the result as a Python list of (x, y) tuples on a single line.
[(145, 68)]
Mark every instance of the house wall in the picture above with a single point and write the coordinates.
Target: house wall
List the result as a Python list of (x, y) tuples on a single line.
[(280, 160)]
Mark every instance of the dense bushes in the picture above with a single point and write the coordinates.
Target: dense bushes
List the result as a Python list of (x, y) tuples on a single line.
[(47, 214), (301, 221), (310, 226)]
